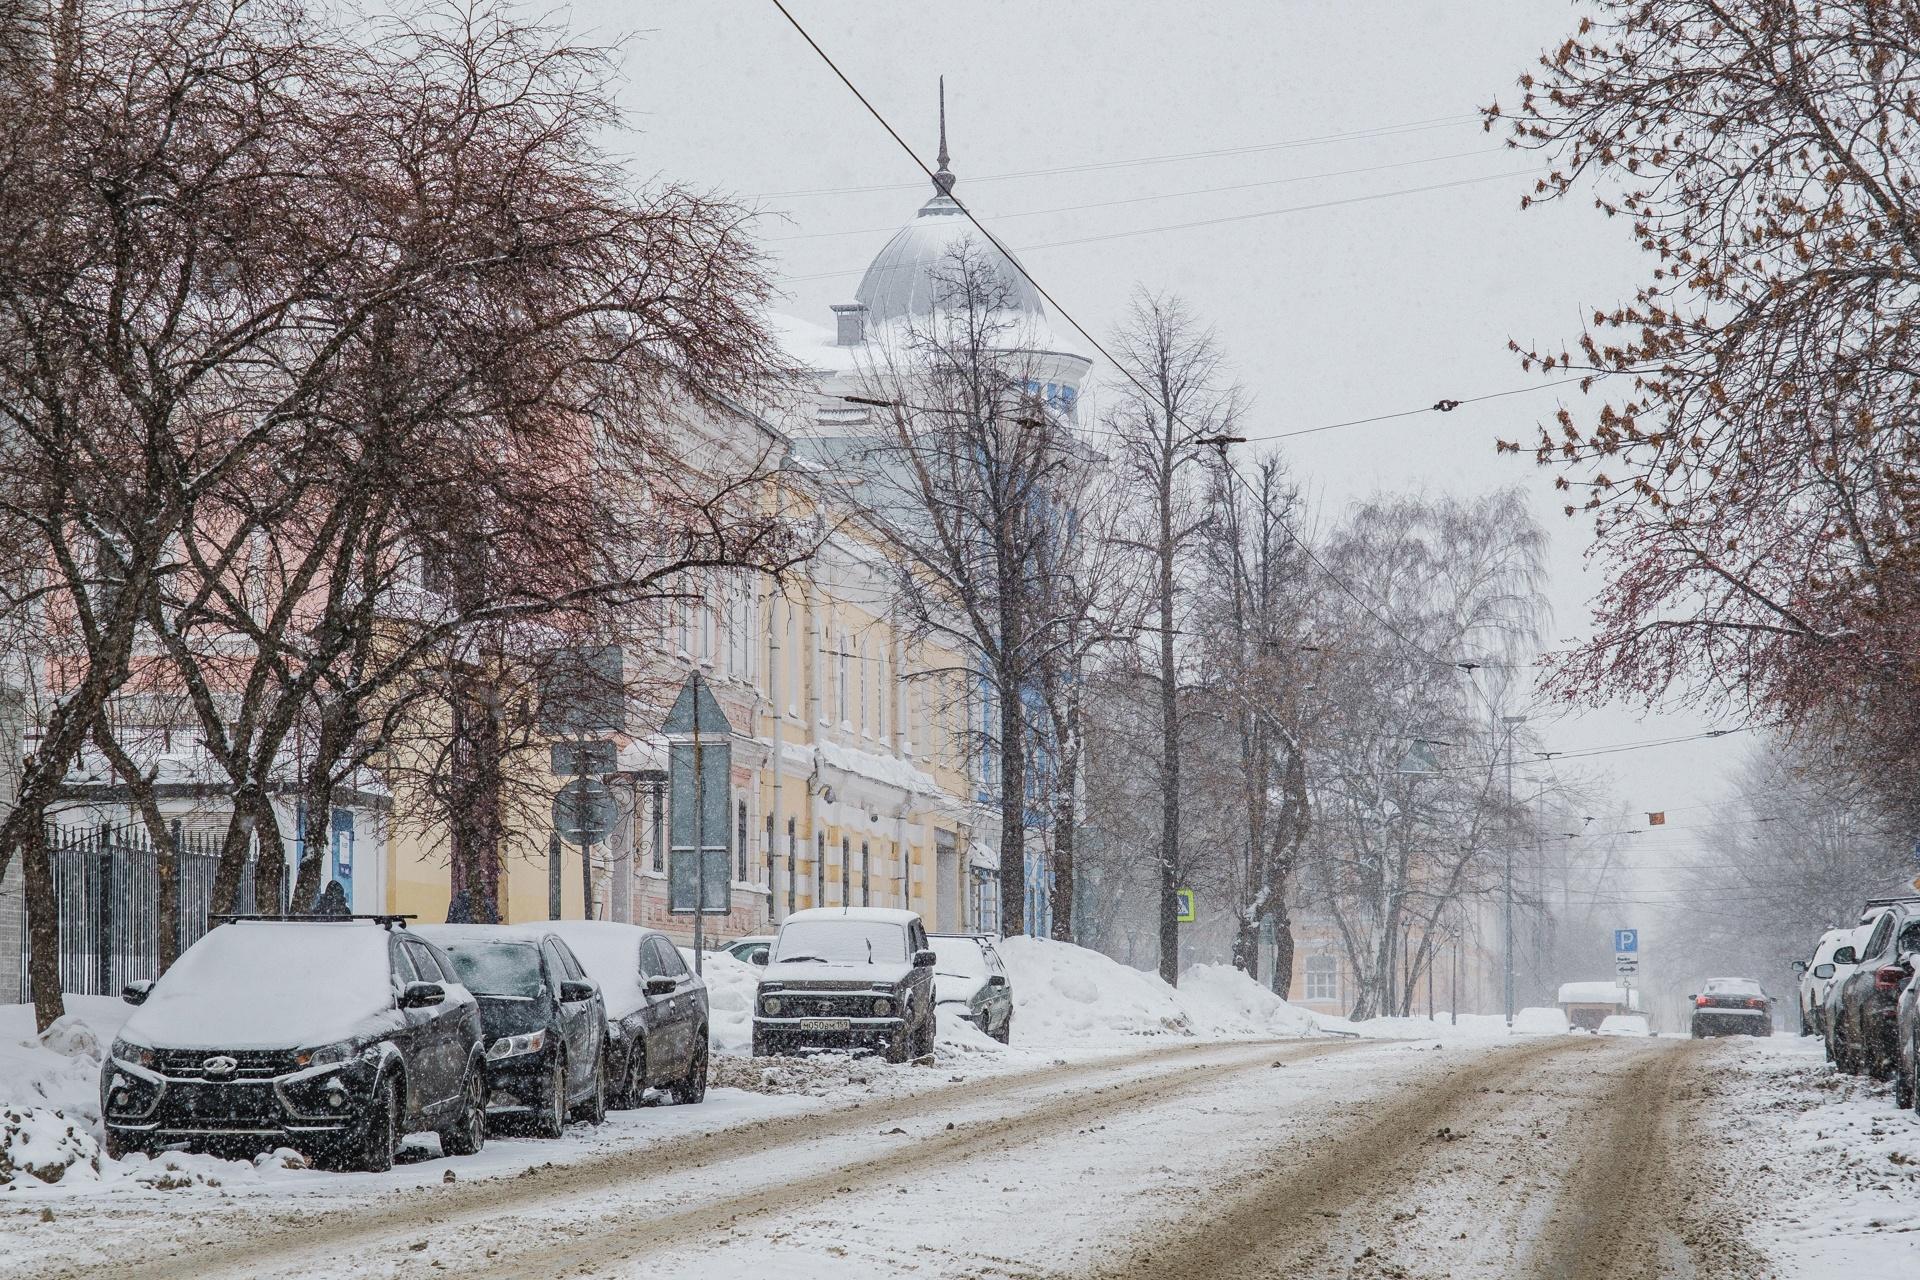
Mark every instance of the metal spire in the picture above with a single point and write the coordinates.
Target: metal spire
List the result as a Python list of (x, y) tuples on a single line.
[(943, 177)]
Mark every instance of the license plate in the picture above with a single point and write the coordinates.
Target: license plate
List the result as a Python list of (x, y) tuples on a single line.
[(824, 1024)]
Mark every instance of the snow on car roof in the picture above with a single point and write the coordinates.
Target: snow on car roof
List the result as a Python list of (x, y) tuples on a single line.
[(884, 915), (1735, 984), (282, 984), (1592, 993)]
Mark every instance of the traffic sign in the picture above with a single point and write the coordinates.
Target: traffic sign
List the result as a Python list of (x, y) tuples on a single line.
[(583, 811), (1188, 914), (1626, 941)]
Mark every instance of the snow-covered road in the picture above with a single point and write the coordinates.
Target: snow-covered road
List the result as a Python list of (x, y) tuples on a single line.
[(1563, 1156)]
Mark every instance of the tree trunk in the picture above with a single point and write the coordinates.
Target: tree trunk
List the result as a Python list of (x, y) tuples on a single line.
[(1065, 833), (473, 816), (1169, 742), (43, 925), (1282, 948), (1013, 811)]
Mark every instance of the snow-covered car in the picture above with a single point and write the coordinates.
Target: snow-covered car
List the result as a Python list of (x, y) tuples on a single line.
[(970, 982), (847, 978), (1817, 973), (336, 1037), (544, 1019), (656, 1009), (1624, 1024), (751, 950), (1732, 1007), (1862, 1007)]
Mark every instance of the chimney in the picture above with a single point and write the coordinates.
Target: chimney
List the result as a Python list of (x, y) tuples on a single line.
[(851, 324)]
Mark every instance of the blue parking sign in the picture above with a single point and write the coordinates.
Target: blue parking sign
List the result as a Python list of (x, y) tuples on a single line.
[(1626, 941)]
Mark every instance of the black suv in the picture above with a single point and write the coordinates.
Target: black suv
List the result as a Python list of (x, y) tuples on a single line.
[(545, 1022), (335, 1036), (1863, 1007)]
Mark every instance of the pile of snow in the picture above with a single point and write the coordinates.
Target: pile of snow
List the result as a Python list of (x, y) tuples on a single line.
[(1540, 1022), (1069, 997), (50, 1091), (731, 984), (45, 1144)]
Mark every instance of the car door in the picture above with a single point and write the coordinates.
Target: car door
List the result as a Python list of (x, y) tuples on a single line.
[(440, 1065), (668, 1012), (1002, 1004), (573, 1018), (919, 980), (1860, 982), (412, 1033), (593, 1027)]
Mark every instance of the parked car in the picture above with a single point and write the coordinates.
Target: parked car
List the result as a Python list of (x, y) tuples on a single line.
[(847, 978), (1906, 1058), (1732, 1007), (1623, 1024), (1862, 1007), (745, 949), (970, 981), (544, 1019), (656, 1009), (1817, 974), (336, 1037)]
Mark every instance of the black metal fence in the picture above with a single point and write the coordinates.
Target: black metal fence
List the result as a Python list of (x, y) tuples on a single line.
[(107, 884)]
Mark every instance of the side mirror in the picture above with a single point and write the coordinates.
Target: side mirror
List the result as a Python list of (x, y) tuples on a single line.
[(1846, 955), (1799, 966), (1823, 971), (997, 980), (574, 991), (661, 985), (136, 992), (421, 995), (923, 959), (761, 956)]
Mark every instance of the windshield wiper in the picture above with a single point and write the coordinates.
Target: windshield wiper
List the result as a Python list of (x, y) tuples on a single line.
[(798, 959)]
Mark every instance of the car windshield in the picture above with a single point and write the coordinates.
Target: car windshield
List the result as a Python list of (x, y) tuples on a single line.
[(842, 942), (498, 968), (959, 957)]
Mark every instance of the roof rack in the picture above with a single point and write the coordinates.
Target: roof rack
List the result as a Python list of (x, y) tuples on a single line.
[(1888, 902), (312, 918)]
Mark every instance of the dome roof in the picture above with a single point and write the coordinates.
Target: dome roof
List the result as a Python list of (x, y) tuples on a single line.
[(903, 280)]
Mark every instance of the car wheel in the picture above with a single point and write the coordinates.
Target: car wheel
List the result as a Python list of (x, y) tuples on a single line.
[(1005, 1034), (928, 1033), (382, 1139), (119, 1148), (693, 1087), (633, 1087), (594, 1109), (551, 1120), (469, 1131), (1902, 1087)]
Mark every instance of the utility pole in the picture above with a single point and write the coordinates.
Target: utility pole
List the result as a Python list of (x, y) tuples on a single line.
[(1512, 723)]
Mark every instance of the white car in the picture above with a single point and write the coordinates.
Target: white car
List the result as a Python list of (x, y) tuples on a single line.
[(1817, 976), (1624, 1024)]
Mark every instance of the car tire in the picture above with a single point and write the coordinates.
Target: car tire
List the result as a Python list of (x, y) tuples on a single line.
[(1005, 1034), (692, 1087), (928, 1034), (468, 1133), (594, 1109), (119, 1148), (1902, 1088), (382, 1138), (551, 1120), (633, 1085)]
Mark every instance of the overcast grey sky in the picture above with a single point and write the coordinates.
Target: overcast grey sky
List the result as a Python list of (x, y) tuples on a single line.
[(1329, 314)]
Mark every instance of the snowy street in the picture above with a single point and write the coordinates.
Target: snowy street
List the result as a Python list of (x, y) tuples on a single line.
[(1326, 1157)]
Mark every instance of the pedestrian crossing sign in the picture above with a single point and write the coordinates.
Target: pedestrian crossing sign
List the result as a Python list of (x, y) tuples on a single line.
[(1184, 897)]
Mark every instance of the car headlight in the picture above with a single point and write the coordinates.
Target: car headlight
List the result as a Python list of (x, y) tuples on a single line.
[(514, 1046), (132, 1051), (770, 1005), (882, 1007), (325, 1055)]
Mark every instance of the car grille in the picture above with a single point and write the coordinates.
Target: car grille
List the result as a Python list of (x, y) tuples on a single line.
[(221, 1105), (843, 1005), (191, 1064)]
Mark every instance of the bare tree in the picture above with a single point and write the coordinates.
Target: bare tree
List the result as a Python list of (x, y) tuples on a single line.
[(1174, 403)]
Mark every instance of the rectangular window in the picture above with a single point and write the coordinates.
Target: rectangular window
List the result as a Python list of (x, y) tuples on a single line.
[(1323, 978), (846, 872), (740, 841), (657, 801), (793, 861), (866, 876)]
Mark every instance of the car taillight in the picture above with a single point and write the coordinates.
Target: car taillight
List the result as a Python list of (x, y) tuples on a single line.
[(1756, 1003), (1702, 1001), (1891, 978)]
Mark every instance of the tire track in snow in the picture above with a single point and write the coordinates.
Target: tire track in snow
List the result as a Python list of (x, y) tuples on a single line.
[(360, 1230)]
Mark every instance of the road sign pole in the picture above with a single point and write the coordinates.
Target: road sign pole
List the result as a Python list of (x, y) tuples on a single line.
[(699, 836)]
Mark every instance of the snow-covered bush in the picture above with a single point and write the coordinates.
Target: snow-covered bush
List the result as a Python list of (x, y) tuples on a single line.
[(45, 1144)]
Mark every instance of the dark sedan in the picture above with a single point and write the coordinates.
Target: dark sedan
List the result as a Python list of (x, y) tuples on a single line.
[(1732, 1007), (656, 1009), (1863, 1007), (544, 1019)]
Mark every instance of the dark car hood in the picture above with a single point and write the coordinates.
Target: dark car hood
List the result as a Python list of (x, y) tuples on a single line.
[(507, 1016)]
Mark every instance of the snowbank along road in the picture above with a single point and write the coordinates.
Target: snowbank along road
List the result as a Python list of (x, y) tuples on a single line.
[(1561, 1157)]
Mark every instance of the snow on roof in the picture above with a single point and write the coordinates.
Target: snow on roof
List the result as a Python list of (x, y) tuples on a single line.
[(885, 915), (255, 984), (610, 953), (1594, 993)]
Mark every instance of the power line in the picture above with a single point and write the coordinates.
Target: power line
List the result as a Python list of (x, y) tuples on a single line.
[(1360, 135)]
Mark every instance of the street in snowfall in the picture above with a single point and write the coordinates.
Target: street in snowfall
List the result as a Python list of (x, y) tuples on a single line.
[(1072, 641)]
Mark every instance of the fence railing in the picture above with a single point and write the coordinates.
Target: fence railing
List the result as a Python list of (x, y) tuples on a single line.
[(106, 883)]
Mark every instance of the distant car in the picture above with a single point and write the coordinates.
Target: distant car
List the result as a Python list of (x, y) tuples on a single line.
[(1732, 1007), (746, 949), (656, 1009), (545, 1022), (336, 1037), (847, 978), (1624, 1024), (1862, 1008), (970, 981), (1816, 975)]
